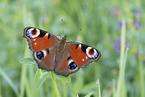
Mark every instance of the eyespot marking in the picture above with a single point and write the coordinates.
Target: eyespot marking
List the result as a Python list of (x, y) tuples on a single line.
[(32, 32), (77, 46), (83, 48), (69, 58), (92, 53), (72, 65), (70, 61), (41, 54), (42, 33), (47, 51)]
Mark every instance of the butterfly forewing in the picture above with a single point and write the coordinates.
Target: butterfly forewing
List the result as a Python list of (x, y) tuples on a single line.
[(39, 39)]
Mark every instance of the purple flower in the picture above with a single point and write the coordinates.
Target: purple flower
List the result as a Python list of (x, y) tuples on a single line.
[(118, 44), (138, 14), (137, 24), (116, 12), (120, 25)]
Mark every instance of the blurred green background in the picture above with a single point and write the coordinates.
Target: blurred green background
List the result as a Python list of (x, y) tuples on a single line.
[(97, 23)]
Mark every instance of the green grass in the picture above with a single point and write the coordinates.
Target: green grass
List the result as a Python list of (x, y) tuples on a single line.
[(120, 72)]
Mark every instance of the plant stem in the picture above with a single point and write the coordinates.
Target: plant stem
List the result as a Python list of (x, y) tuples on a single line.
[(54, 84)]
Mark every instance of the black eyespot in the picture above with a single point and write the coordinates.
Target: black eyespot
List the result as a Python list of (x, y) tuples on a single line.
[(40, 55), (27, 34), (42, 33), (77, 46), (84, 47), (72, 65), (47, 51), (68, 58), (48, 36)]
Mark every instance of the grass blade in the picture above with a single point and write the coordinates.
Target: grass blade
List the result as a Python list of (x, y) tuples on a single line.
[(121, 89), (9, 81)]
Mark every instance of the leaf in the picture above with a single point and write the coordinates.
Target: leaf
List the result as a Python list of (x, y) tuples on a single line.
[(63, 78), (27, 61), (87, 88), (40, 77), (89, 94)]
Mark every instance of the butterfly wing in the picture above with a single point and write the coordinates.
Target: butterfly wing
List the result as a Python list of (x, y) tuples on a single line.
[(75, 56), (66, 65), (83, 54), (43, 45), (39, 39), (45, 58), (58, 55)]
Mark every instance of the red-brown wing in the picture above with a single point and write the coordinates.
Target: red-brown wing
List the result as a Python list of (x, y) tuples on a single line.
[(64, 65), (83, 54), (76, 55), (44, 45), (46, 58), (39, 39)]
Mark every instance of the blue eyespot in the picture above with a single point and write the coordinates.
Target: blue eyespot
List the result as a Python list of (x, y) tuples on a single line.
[(72, 65), (96, 54), (27, 33), (40, 55)]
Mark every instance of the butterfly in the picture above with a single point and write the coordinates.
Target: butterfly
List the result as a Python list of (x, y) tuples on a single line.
[(54, 54)]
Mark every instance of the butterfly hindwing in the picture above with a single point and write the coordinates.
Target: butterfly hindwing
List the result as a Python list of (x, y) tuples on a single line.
[(45, 58), (66, 64)]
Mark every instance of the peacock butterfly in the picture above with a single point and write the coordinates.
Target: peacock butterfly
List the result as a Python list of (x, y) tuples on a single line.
[(57, 55)]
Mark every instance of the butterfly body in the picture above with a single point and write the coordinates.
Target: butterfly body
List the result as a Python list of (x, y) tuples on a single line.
[(57, 55)]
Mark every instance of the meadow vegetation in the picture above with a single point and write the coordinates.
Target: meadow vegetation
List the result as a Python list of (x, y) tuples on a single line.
[(115, 27)]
